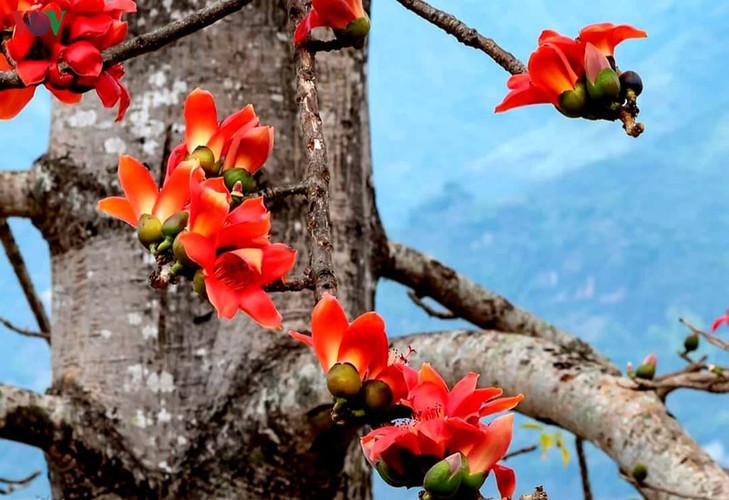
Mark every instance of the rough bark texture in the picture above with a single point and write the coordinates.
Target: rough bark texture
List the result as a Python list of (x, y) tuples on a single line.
[(192, 400)]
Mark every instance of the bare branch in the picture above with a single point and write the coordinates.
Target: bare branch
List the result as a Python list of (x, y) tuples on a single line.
[(15, 188), (584, 474), (23, 331), (317, 171), (697, 376), (294, 284), (564, 389), (154, 40), (21, 271), (429, 310), (14, 485), (275, 193), (28, 417), (521, 451), (468, 300), (712, 339), (465, 34)]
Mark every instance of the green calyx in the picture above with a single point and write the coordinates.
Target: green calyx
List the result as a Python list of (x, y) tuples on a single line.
[(149, 230), (343, 381), (233, 176), (356, 31), (178, 251), (204, 155), (572, 102), (390, 476), (175, 224), (605, 86), (444, 479), (377, 396), (198, 284)]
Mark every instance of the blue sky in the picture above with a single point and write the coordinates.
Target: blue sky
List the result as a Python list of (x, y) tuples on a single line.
[(610, 237)]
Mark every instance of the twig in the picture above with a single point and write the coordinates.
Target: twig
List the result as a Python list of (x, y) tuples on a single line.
[(712, 339), (24, 331), (425, 307), (521, 451), (317, 171), (296, 284), (628, 113), (154, 40), (584, 474), (276, 193), (465, 34), (16, 260), (17, 484)]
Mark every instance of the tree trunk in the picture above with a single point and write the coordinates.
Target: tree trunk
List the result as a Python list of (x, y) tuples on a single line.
[(197, 407)]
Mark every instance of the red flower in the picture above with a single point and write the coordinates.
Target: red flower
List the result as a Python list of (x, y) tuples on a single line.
[(14, 100), (362, 343), (560, 63), (239, 141), (334, 14), (444, 423), (720, 321), (74, 32), (142, 196), (234, 252)]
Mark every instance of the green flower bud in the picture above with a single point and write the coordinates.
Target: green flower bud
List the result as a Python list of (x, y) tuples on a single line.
[(691, 342), (444, 479), (377, 395), (234, 175), (175, 224), (572, 102), (149, 229), (205, 156), (178, 250), (606, 85), (198, 284), (389, 476), (646, 371), (356, 31), (640, 472), (343, 381), (630, 80)]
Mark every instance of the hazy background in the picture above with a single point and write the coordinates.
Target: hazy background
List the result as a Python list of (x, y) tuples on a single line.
[(608, 237)]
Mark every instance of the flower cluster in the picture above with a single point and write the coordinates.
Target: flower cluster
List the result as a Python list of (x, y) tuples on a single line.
[(432, 436), (347, 18), (578, 76), (58, 43), (207, 231)]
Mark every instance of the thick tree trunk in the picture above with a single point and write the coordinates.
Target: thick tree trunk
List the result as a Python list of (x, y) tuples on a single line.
[(193, 403)]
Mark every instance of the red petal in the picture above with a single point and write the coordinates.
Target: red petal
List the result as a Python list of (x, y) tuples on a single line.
[(523, 97), (362, 341), (258, 305), (222, 297), (605, 36), (208, 207), (176, 191), (303, 338), (83, 58), (200, 249), (119, 208), (32, 72), (493, 446), (338, 14), (138, 185), (124, 102), (13, 101), (176, 156), (505, 480), (89, 26), (328, 324), (65, 96), (278, 260), (499, 405), (551, 72), (108, 90), (251, 210), (428, 374), (243, 119), (311, 21), (201, 118), (249, 150), (427, 395)]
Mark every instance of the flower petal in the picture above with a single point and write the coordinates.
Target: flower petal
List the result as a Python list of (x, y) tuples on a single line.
[(201, 118), (222, 297), (551, 72), (119, 208), (328, 324), (250, 150), (13, 101), (605, 36), (303, 338), (505, 480), (83, 58), (501, 404), (175, 192), (258, 305), (138, 185), (428, 374), (208, 207), (494, 444), (361, 341), (32, 72), (200, 249), (278, 260), (243, 119)]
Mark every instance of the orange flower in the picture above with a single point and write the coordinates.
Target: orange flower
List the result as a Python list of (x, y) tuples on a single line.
[(238, 142), (444, 423), (335, 14), (234, 252), (142, 196), (605, 36), (362, 343)]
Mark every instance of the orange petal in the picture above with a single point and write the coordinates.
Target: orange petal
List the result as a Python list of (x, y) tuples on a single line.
[(222, 297), (362, 341), (428, 374), (208, 208), (175, 193), (243, 119), (605, 36), (505, 480), (427, 396), (138, 185), (278, 260), (258, 305), (250, 150), (251, 210), (303, 338), (201, 119), (493, 446), (13, 101), (200, 249), (523, 96), (499, 405), (251, 256), (119, 208), (551, 72), (328, 324)]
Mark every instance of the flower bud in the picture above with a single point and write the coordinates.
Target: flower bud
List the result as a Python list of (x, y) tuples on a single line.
[(233, 176), (377, 395), (444, 479), (343, 381), (175, 224), (691, 342), (647, 369), (640, 472), (149, 229), (572, 102), (205, 156), (198, 284), (630, 80), (356, 31), (607, 85), (178, 250)]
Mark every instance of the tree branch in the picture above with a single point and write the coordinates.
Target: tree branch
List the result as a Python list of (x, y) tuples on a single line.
[(468, 300), (21, 271), (15, 189), (30, 418), (583, 397), (429, 310), (24, 331), (154, 40), (317, 171), (465, 34), (584, 473)]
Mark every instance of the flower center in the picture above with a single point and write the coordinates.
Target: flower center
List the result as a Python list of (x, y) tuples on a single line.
[(234, 272)]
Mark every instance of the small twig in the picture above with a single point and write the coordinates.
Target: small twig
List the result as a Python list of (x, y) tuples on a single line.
[(154, 40), (425, 307), (712, 339), (628, 113), (465, 34), (17, 484), (295, 284), (24, 331), (584, 474), (21, 271), (276, 193), (317, 171), (521, 451)]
